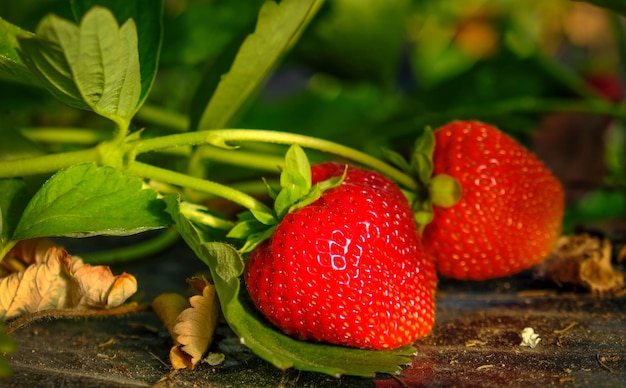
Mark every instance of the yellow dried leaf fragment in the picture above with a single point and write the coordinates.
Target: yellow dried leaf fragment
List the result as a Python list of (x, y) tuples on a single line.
[(193, 328), (40, 276)]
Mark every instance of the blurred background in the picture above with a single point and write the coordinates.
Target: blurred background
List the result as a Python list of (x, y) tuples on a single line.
[(372, 74)]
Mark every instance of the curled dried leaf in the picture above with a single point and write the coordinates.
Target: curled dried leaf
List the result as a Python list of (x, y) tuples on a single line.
[(168, 307), (56, 280), (193, 328), (99, 288), (23, 254)]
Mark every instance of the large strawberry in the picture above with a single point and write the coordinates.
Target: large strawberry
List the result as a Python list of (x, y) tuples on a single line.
[(347, 268), (510, 211)]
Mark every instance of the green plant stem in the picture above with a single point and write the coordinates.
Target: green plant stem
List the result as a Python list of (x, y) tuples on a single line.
[(253, 160), (251, 135), (136, 251), (65, 135), (47, 164), (163, 117), (160, 174)]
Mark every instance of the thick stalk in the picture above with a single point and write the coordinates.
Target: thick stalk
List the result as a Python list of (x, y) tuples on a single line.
[(56, 135), (217, 136), (46, 164)]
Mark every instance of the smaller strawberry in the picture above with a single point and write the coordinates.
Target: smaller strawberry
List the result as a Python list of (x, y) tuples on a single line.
[(510, 212), (346, 267)]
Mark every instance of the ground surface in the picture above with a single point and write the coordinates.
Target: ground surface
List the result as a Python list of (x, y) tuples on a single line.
[(476, 342)]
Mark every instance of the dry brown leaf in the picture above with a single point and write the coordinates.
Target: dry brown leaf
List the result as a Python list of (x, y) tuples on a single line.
[(193, 328), (56, 280), (168, 307), (582, 260)]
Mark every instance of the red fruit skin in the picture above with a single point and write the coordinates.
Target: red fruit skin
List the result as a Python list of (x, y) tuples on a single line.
[(510, 213), (348, 269)]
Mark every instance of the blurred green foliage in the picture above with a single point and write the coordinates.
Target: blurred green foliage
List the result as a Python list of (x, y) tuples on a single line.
[(372, 74)]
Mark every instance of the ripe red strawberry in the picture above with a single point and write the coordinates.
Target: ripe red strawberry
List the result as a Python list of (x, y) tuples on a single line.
[(347, 269), (510, 212)]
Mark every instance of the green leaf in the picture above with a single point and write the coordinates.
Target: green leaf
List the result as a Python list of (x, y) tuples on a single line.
[(358, 40), (47, 60), (12, 202), (92, 66), (278, 28), (86, 200), (284, 352), (147, 15), (203, 30), (11, 65), (595, 206)]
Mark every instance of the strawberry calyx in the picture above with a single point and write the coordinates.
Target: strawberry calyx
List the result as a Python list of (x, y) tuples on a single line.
[(296, 191), (439, 190)]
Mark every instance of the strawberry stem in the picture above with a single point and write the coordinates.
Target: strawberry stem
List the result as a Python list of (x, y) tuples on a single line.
[(276, 137), (144, 170), (47, 163)]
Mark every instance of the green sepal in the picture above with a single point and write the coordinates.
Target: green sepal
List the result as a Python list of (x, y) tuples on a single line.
[(264, 217), (445, 191), (270, 190), (246, 225), (422, 156), (423, 215), (397, 160), (440, 190), (297, 191), (255, 239), (316, 191), (295, 180)]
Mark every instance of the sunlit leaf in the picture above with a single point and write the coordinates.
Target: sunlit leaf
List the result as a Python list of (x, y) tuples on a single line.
[(278, 28), (147, 15), (11, 65), (91, 66), (86, 200)]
